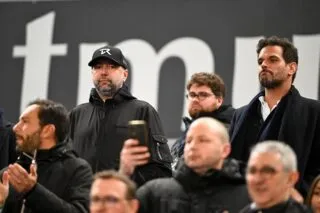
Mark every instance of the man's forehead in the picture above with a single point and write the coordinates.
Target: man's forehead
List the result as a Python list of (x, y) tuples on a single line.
[(30, 111), (264, 159), (271, 50), (197, 87)]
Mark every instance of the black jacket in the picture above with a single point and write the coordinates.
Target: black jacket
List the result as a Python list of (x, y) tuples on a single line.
[(187, 192), (223, 114), (63, 185), (7, 143), (98, 130), (298, 125), (290, 206)]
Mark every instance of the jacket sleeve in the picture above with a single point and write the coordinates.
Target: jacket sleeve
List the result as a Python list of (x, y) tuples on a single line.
[(160, 162), (41, 199)]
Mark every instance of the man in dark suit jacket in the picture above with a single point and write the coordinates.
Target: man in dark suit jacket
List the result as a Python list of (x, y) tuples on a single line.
[(279, 112)]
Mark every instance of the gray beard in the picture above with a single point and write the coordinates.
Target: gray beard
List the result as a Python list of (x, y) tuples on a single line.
[(109, 91)]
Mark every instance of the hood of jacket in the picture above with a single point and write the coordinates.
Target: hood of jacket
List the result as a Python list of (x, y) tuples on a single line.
[(122, 94), (230, 173)]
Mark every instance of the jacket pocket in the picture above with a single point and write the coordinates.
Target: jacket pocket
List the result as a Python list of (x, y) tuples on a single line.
[(162, 150)]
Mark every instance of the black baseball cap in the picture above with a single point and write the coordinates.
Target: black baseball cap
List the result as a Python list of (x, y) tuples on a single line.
[(112, 53)]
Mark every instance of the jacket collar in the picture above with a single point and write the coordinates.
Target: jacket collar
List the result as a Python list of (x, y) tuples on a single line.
[(56, 152), (194, 182), (122, 94)]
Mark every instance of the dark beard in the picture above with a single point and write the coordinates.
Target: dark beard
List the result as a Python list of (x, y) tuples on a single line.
[(30, 143), (270, 84)]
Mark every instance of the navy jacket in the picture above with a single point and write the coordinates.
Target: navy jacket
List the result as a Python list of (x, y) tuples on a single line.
[(299, 127)]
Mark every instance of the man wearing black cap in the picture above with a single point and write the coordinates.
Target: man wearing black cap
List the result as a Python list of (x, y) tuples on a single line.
[(100, 127)]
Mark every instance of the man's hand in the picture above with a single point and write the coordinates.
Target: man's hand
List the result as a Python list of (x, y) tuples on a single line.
[(19, 178), (4, 188), (132, 155), (296, 195)]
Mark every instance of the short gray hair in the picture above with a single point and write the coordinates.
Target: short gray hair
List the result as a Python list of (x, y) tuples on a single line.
[(287, 155)]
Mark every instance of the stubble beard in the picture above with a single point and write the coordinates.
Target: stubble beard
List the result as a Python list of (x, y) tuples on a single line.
[(30, 143), (270, 84)]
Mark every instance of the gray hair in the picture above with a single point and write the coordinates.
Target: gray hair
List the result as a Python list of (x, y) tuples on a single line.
[(287, 155)]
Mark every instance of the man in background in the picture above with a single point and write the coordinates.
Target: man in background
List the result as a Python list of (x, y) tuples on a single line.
[(206, 92), (113, 192), (100, 127), (271, 176)]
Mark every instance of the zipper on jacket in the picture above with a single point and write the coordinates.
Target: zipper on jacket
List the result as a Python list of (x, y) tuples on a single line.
[(158, 150)]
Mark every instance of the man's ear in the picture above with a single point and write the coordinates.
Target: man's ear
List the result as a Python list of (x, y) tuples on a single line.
[(134, 205), (125, 75), (293, 178), (292, 68), (220, 101), (226, 150), (48, 130)]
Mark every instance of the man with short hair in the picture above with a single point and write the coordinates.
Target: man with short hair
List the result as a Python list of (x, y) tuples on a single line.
[(48, 177), (203, 182), (113, 192), (100, 127), (279, 112), (271, 175), (206, 92)]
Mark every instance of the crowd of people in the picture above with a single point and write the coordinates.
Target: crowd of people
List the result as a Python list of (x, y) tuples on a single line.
[(261, 157)]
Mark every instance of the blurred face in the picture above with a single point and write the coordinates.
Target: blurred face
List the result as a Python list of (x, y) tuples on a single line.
[(273, 70), (108, 77), (204, 149), (110, 196), (202, 99), (315, 200), (267, 181), (28, 130)]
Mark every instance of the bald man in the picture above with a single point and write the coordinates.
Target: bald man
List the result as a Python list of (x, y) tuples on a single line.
[(203, 181)]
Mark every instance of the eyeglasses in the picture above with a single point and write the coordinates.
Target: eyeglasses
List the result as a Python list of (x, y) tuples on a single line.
[(107, 200), (266, 171), (201, 95)]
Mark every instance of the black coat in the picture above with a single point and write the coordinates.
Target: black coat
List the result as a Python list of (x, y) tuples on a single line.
[(7, 143), (63, 184), (187, 192), (99, 129), (299, 127)]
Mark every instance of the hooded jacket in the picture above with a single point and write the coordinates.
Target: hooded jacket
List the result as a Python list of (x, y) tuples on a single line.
[(63, 184), (223, 114), (99, 129), (187, 192)]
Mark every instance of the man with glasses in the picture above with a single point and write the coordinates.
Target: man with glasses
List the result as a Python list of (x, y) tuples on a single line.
[(206, 92), (271, 176), (113, 192), (100, 127)]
